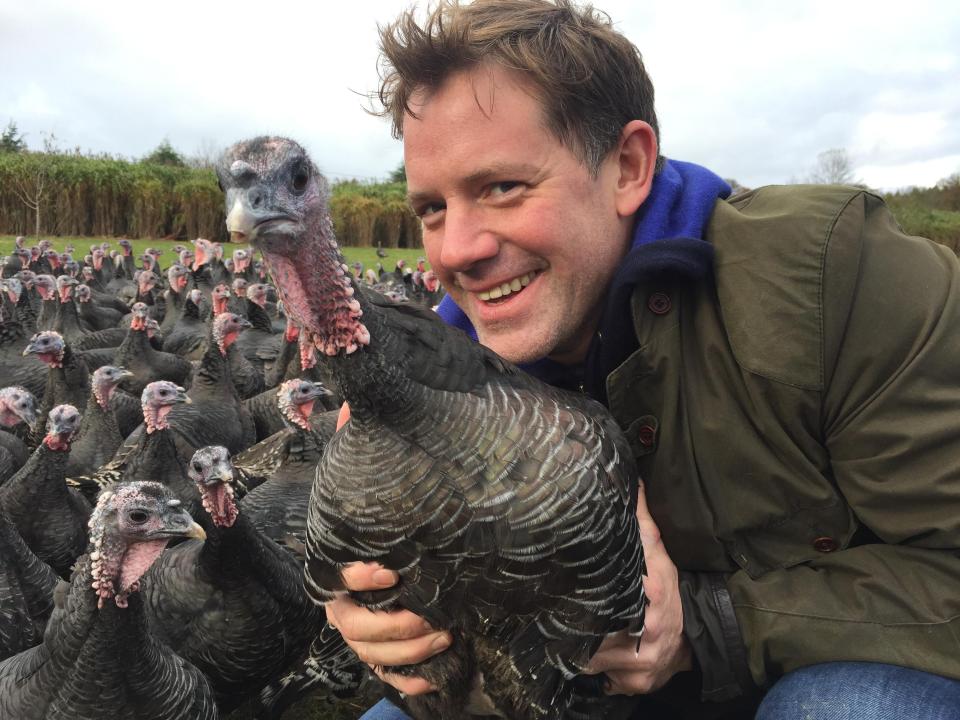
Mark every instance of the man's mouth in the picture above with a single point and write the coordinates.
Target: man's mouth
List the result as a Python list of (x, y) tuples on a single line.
[(504, 290)]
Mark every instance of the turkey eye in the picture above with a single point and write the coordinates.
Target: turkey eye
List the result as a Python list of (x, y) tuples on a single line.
[(197, 466), (300, 181), (138, 516)]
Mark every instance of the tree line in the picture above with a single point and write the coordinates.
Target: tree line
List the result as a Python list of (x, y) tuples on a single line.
[(167, 195), (164, 195)]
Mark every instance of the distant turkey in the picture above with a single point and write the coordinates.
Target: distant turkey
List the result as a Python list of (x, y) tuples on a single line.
[(507, 506), (99, 435), (26, 591), (68, 380), (18, 412), (51, 518), (98, 660), (282, 467)]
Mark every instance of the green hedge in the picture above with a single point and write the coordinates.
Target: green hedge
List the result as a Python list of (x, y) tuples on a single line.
[(102, 196)]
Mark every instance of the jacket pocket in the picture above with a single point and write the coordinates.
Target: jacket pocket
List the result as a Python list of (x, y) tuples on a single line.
[(805, 534)]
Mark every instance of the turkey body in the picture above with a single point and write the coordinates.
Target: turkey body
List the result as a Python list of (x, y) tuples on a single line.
[(506, 506)]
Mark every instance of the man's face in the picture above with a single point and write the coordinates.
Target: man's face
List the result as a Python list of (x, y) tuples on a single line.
[(505, 205)]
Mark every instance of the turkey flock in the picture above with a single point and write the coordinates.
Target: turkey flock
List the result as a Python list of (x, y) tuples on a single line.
[(176, 498)]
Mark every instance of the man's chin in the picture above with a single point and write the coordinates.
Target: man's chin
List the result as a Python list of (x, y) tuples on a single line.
[(516, 346)]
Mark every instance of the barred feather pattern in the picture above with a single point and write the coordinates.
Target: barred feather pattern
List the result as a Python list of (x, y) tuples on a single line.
[(515, 522)]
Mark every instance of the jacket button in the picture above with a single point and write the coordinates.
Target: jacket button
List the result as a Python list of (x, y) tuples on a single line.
[(646, 434), (825, 544), (659, 303)]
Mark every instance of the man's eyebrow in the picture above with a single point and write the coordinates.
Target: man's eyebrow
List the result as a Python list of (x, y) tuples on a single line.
[(501, 171)]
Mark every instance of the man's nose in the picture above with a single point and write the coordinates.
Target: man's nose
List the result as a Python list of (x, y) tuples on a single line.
[(467, 238)]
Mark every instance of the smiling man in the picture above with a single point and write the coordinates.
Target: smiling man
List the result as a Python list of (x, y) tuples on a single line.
[(784, 362)]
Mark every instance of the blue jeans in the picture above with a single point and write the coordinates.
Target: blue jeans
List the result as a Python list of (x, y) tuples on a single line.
[(834, 691), (861, 691)]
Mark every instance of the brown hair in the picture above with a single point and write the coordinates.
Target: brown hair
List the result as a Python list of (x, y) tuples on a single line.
[(588, 77)]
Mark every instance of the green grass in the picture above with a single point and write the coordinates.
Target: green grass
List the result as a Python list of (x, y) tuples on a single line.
[(365, 255)]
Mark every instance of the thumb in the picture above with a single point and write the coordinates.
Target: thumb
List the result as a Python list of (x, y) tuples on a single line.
[(649, 532), (343, 416)]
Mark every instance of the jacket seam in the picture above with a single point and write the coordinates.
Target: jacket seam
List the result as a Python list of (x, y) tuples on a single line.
[(827, 618), (821, 282)]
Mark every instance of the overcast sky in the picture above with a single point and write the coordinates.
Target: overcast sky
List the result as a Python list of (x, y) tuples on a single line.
[(753, 90)]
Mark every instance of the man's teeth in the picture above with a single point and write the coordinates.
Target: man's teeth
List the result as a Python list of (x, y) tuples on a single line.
[(505, 289)]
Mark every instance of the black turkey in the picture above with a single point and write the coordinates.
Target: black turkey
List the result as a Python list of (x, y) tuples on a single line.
[(281, 468), (234, 605), (97, 659), (26, 590), (18, 412), (507, 506), (99, 435), (51, 518)]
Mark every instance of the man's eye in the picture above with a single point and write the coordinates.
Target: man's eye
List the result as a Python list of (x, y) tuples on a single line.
[(502, 188), (428, 209)]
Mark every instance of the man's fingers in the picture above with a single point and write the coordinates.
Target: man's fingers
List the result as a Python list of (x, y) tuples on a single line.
[(401, 652), (361, 625), (368, 576), (343, 415), (649, 532), (404, 683)]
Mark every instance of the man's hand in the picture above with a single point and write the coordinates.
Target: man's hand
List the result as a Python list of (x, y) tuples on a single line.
[(384, 638), (663, 648)]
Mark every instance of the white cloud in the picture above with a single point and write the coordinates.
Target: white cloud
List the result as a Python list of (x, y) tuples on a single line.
[(754, 90)]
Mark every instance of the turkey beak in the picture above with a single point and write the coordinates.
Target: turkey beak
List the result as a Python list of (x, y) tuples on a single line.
[(182, 396), (124, 374), (63, 426), (30, 349), (317, 391), (224, 473), (28, 415), (178, 523), (241, 219)]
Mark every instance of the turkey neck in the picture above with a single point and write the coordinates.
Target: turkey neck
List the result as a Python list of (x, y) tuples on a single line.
[(258, 317), (372, 379), (174, 310), (67, 384), (38, 484), (66, 321), (98, 641), (156, 459), (231, 553), (212, 378), (48, 313), (12, 334), (26, 312), (97, 439), (135, 344)]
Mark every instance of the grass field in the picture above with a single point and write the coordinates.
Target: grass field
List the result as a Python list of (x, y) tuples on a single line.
[(365, 255)]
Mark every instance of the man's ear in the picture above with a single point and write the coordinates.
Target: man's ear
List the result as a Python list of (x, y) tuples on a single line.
[(636, 160)]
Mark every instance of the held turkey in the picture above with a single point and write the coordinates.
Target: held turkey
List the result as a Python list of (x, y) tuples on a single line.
[(97, 659), (507, 506)]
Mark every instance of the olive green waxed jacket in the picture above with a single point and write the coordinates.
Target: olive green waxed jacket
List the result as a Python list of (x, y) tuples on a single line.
[(796, 419)]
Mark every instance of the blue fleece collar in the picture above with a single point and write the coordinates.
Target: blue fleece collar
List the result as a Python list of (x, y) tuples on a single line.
[(667, 241)]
